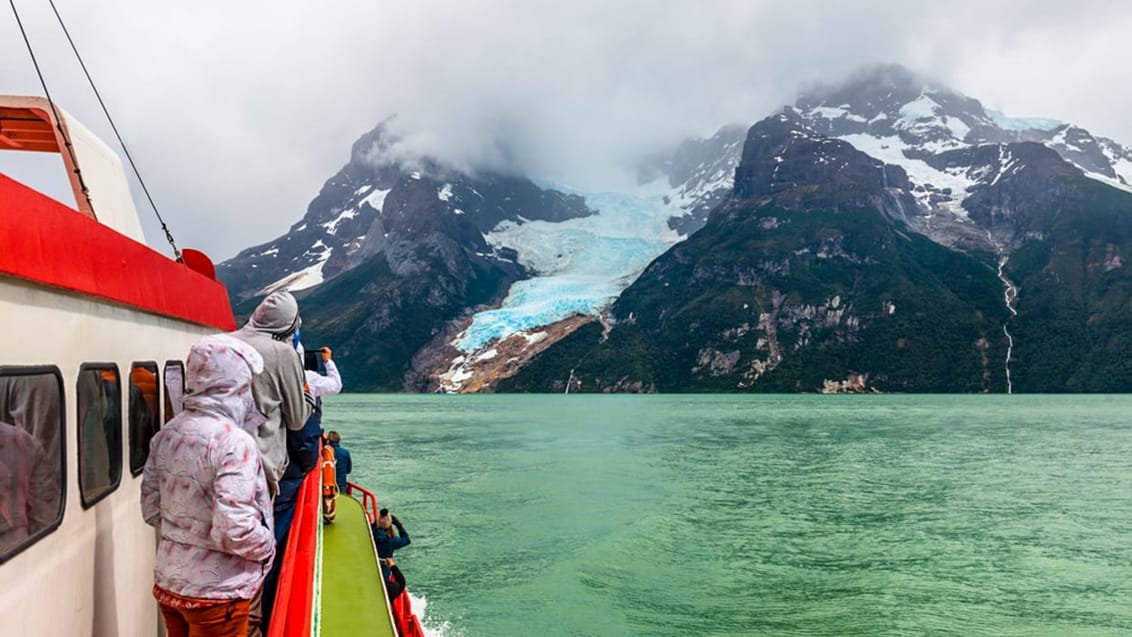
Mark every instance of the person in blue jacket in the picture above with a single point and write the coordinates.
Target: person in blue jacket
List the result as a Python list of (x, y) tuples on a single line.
[(385, 540), (342, 463)]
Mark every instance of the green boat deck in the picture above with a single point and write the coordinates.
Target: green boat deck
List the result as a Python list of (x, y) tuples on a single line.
[(352, 598)]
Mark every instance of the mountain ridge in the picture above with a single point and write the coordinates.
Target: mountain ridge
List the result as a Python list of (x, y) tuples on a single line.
[(1002, 194)]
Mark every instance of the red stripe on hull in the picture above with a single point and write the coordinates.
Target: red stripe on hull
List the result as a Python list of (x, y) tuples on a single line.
[(43, 241)]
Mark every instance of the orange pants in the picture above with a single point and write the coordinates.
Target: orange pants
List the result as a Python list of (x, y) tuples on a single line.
[(227, 619)]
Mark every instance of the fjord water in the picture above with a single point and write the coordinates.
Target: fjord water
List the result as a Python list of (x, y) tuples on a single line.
[(755, 515)]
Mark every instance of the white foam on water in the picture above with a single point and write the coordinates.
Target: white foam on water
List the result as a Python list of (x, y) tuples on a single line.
[(432, 628)]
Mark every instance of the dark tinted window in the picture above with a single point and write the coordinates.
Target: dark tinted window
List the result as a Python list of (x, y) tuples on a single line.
[(143, 413), (31, 455), (174, 388), (100, 431)]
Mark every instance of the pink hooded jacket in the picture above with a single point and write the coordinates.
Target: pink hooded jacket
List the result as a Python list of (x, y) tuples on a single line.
[(204, 487)]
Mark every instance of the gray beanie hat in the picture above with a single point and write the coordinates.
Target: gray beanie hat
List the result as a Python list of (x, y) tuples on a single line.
[(278, 314)]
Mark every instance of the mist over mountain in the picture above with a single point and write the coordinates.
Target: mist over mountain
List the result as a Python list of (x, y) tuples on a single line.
[(885, 233)]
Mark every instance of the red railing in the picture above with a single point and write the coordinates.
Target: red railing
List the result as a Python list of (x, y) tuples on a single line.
[(401, 608), (369, 500), (294, 599)]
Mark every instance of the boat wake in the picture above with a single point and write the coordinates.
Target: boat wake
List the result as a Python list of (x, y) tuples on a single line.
[(432, 627)]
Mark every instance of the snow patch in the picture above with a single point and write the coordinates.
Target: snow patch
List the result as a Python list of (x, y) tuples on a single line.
[(1006, 162), (958, 129), (1123, 167), (1105, 179), (457, 373), (891, 149), (332, 225), (308, 277), (830, 112), (445, 193), (919, 108), (376, 199)]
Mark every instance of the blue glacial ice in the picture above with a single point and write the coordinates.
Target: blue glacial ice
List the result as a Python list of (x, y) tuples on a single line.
[(581, 265), (1023, 123)]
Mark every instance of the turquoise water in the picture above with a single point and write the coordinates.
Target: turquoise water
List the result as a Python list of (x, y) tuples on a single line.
[(756, 515)]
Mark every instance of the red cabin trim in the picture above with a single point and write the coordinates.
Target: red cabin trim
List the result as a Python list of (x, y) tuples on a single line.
[(43, 241)]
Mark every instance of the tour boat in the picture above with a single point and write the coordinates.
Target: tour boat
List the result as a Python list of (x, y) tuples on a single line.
[(94, 328)]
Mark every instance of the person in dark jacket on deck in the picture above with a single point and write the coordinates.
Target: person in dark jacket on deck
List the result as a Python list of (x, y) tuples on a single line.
[(395, 582), (302, 456), (342, 463), (383, 536), (384, 539)]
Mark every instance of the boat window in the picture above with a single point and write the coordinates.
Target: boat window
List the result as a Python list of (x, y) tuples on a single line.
[(174, 388), (31, 455), (100, 431), (143, 412)]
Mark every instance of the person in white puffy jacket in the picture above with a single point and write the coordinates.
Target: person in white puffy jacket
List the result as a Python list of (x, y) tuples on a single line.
[(205, 491)]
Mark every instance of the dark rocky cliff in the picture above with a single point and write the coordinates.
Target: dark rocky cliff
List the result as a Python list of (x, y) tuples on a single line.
[(392, 252)]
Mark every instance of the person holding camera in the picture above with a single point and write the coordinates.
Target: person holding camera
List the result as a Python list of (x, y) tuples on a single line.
[(384, 538), (321, 385)]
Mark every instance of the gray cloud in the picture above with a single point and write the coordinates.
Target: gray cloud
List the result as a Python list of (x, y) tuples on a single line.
[(237, 112)]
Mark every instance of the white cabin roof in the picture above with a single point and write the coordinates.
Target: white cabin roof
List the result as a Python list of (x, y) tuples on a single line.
[(28, 124)]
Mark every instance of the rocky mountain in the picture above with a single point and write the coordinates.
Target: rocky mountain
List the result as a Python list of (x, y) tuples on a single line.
[(699, 174), (950, 146), (376, 201), (391, 252), (884, 235), (804, 277), (396, 258)]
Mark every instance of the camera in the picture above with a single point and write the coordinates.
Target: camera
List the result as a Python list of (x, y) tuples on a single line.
[(311, 360)]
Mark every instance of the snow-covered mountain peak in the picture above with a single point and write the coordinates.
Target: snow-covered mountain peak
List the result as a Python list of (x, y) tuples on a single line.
[(383, 198), (902, 118), (891, 101), (520, 264)]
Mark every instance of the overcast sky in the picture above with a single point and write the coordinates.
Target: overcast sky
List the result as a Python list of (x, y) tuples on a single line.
[(237, 112)]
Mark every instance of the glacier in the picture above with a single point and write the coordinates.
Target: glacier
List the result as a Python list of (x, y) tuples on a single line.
[(1022, 123), (580, 265)]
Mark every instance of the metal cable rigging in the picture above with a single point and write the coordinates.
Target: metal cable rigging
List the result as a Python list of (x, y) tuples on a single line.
[(51, 102), (105, 111)]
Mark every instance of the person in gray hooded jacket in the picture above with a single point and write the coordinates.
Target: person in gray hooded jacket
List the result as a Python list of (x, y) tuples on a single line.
[(280, 390)]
